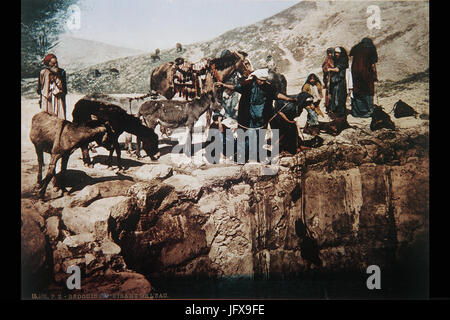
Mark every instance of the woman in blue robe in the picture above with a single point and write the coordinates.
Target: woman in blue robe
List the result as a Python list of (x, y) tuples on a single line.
[(338, 86)]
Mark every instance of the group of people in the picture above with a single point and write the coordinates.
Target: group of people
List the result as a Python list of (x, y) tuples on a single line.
[(358, 82), (256, 109)]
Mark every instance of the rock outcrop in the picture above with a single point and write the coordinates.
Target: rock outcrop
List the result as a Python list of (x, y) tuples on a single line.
[(360, 199), (361, 203)]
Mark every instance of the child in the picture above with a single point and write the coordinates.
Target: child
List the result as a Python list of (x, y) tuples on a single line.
[(328, 63)]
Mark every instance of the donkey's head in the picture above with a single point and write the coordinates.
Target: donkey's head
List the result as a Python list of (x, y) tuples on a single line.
[(243, 64)]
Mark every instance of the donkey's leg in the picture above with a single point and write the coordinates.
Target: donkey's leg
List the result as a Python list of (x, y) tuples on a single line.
[(129, 143), (189, 143), (118, 153), (138, 147), (86, 158), (40, 158), (50, 174), (62, 173), (109, 161), (58, 183), (208, 121)]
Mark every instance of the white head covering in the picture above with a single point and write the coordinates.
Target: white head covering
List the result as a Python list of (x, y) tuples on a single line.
[(337, 49), (262, 74)]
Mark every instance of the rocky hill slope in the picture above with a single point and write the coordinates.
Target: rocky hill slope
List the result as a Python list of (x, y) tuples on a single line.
[(296, 40)]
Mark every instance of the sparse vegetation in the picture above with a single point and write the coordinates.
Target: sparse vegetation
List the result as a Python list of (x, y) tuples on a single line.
[(305, 34)]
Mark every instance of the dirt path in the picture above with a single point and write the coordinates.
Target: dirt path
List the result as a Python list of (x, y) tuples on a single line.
[(294, 82)]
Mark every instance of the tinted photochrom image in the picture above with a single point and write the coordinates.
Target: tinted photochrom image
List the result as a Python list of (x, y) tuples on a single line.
[(224, 149)]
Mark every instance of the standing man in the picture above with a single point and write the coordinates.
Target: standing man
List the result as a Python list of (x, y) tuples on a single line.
[(256, 102), (364, 75), (52, 87)]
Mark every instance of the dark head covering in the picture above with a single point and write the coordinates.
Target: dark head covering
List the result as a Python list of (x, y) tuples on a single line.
[(330, 50), (342, 62), (367, 43), (313, 75), (304, 99), (225, 53), (48, 57)]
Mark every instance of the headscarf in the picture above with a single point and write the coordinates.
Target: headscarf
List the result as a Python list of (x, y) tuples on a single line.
[(313, 75), (367, 43), (262, 74), (48, 57), (304, 99), (342, 62)]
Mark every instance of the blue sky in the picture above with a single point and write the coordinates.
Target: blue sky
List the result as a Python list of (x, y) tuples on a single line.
[(150, 24)]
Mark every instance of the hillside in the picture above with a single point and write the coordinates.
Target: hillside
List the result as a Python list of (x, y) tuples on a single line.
[(75, 53), (296, 39)]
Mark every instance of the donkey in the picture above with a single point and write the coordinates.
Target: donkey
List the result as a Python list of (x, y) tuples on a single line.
[(60, 138), (119, 121), (176, 114), (219, 69)]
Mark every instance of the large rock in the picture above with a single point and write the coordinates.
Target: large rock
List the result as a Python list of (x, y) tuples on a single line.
[(355, 208), (114, 188), (52, 226), (78, 240), (34, 261), (219, 176), (122, 210), (86, 196), (151, 171), (187, 187), (91, 219), (33, 245), (30, 212), (151, 195), (116, 285)]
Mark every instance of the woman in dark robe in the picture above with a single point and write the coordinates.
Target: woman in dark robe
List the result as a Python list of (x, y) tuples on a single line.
[(284, 121), (364, 75), (338, 86)]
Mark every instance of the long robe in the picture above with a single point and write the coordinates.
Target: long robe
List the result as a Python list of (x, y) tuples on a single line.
[(255, 110), (364, 76), (338, 87), (256, 103), (52, 88), (362, 73), (289, 139)]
